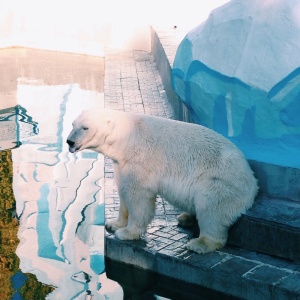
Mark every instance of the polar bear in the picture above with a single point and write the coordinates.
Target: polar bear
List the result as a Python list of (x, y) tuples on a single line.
[(192, 167)]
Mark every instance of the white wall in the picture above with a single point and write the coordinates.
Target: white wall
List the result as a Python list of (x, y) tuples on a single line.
[(88, 26), (71, 26)]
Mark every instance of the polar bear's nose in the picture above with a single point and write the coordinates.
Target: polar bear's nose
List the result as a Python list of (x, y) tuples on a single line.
[(70, 143)]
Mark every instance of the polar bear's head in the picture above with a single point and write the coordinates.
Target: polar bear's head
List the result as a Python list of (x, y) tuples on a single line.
[(90, 131)]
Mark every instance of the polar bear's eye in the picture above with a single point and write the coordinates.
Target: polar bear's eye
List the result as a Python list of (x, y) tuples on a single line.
[(85, 128)]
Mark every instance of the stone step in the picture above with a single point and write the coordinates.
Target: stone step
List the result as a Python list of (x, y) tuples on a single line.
[(235, 272), (271, 226), (141, 284)]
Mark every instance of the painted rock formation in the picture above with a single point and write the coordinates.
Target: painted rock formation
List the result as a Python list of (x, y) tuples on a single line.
[(239, 74)]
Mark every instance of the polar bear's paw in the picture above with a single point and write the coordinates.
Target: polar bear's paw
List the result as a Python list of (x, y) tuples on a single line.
[(203, 245), (125, 234), (112, 226), (186, 220)]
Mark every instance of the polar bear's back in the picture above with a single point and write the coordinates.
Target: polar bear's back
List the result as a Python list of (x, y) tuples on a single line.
[(186, 155), (180, 138), (169, 141)]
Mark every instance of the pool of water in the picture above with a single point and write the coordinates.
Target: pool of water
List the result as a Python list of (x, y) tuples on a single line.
[(52, 205)]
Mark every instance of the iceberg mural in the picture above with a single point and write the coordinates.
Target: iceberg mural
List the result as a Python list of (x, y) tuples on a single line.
[(239, 74)]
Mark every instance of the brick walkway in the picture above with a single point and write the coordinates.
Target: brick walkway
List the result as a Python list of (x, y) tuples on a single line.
[(132, 83)]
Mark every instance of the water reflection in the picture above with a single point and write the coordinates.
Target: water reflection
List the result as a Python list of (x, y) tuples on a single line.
[(14, 284), (59, 201), (15, 125), (58, 195)]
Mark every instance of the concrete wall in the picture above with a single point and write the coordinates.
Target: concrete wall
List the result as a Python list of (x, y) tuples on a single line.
[(85, 27)]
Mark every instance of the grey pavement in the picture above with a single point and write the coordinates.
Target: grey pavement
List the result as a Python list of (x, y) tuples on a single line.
[(133, 83)]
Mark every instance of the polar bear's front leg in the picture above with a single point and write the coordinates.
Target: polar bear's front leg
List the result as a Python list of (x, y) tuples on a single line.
[(141, 210), (122, 219), (126, 234)]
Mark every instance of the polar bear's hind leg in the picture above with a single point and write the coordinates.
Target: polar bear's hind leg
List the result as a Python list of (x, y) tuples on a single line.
[(186, 220), (213, 233), (214, 218), (203, 245)]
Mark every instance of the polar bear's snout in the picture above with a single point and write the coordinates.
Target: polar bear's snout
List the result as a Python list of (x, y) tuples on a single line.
[(72, 147), (70, 143), (73, 141)]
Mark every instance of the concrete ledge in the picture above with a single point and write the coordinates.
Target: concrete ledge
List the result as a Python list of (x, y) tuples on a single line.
[(163, 63), (271, 226), (277, 181), (231, 271), (144, 284)]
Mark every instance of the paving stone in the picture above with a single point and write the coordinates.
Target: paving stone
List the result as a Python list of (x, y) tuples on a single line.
[(236, 265), (180, 247), (168, 252), (109, 175), (169, 231), (162, 234), (163, 240), (178, 236), (291, 283), (109, 201), (156, 245), (267, 274), (152, 229), (206, 261)]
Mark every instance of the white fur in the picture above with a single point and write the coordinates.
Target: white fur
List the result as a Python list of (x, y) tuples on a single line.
[(192, 167)]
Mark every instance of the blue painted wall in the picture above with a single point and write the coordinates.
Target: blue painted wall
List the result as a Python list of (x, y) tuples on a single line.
[(264, 125)]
